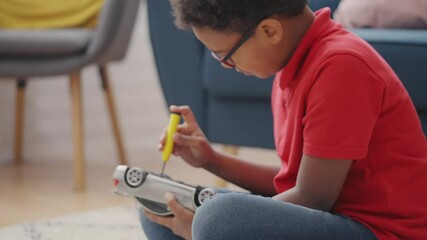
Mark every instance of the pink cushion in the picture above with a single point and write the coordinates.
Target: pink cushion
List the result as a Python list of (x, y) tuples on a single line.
[(382, 13)]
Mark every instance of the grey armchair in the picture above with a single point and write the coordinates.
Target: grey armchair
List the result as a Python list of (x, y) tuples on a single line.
[(30, 53)]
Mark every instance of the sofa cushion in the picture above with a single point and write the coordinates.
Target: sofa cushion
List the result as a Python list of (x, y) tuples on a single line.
[(382, 13)]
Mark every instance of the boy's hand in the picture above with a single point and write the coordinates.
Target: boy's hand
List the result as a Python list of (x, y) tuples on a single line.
[(181, 221), (190, 142)]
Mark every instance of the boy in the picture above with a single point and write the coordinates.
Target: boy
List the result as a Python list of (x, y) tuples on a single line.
[(354, 157)]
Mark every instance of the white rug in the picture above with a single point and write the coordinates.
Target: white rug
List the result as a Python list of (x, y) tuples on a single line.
[(107, 224)]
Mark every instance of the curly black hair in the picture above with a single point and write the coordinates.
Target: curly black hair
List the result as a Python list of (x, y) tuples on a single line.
[(231, 15)]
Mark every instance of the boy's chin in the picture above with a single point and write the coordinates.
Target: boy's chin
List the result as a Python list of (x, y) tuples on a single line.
[(263, 76), (258, 75)]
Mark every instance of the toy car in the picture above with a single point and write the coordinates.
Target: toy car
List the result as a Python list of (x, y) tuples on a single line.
[(149, 188)]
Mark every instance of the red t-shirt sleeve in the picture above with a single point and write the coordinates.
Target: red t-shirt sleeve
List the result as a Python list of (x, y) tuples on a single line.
[(342, 108)]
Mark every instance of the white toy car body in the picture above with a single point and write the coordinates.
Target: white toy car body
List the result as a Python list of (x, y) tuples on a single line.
[(149, 189)]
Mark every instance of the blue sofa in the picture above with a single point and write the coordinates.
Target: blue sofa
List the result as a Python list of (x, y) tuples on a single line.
[(234, 109)]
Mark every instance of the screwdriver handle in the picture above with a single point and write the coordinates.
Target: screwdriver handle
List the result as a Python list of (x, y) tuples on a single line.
[(174, 119)]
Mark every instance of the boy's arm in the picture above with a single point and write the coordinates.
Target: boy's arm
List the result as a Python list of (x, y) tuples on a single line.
[(253, 177), (318, 184)]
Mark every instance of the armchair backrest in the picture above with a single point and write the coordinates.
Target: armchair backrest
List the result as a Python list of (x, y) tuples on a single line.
[(113, 33)]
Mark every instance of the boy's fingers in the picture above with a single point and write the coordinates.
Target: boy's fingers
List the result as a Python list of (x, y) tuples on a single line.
[(185, 140), (186, 113), (165, 221), (162, 140), (163, 136), (173, 205)]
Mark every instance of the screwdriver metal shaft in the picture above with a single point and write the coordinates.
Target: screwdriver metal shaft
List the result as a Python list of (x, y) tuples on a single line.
[(163, 169)]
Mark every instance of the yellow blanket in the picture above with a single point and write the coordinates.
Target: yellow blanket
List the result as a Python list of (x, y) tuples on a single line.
[(49, 13)]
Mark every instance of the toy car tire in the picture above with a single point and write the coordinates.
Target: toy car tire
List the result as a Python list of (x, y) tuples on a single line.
[(205, 194), (134, 177)]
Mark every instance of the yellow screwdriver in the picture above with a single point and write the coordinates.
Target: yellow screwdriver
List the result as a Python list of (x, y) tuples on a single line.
[(174, 119)]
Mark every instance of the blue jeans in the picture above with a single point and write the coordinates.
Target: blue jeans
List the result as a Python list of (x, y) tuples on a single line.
[(245, 216)]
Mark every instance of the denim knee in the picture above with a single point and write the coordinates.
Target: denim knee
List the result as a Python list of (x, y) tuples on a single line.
[(241, 216), (214, 219)]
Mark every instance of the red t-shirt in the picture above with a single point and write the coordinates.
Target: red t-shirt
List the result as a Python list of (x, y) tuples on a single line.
[(338, 99)]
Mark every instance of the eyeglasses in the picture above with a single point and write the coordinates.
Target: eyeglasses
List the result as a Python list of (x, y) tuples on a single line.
[(226, 60)]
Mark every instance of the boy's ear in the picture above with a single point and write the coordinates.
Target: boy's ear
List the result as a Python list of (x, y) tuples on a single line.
[(272, 29)]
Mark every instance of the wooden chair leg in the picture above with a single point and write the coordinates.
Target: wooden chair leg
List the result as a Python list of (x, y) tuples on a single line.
[(233, 150), (78, 131), (105, 78), (19, 120)]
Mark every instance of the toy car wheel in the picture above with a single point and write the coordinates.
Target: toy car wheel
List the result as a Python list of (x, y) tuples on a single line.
[(134, 177), (205, 194)]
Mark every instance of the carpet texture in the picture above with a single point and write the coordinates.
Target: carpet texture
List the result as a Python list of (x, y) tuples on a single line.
[(107, 224)]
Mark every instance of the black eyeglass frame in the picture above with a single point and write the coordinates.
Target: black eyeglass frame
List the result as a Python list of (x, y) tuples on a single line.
[(226, 60)]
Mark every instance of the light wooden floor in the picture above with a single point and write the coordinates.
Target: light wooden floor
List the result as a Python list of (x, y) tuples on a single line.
[(41, 187)]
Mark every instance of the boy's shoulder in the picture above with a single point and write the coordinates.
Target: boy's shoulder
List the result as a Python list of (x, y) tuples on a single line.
[(327, 38), (342, 41), (342, 53), (342, 44)]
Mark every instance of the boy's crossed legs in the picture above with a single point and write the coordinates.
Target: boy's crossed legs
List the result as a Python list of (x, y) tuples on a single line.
[(245, 216)]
